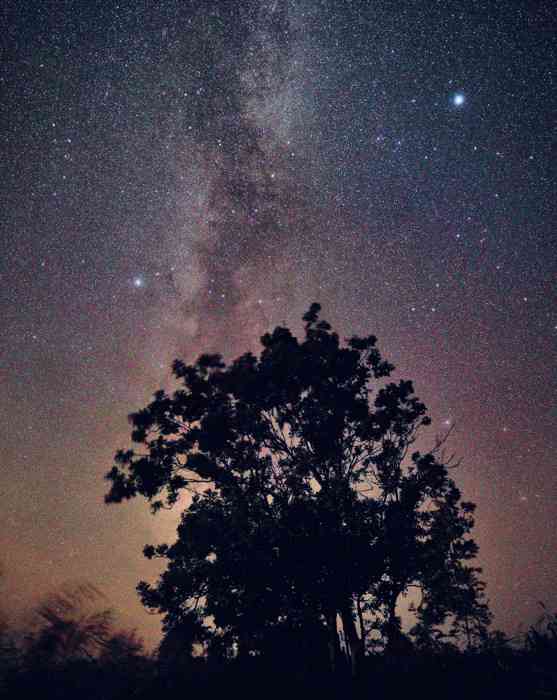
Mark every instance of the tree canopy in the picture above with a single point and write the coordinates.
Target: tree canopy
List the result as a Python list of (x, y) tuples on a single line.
[(307, 502)]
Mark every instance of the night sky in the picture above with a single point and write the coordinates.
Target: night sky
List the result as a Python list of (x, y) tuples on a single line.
[(180, 177)]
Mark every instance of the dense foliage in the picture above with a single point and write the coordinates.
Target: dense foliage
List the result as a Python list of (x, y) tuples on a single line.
[(307, 505)]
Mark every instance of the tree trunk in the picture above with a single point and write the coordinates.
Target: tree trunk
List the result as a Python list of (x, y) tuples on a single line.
[(353, 642), (243, 645), (392, 627), (363, 634), (334, 648)]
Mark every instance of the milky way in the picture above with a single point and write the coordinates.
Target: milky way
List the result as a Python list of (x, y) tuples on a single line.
[(180, 177)]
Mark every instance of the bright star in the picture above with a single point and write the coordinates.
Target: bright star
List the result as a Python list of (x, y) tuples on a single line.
[(458, 99), (138, 282)]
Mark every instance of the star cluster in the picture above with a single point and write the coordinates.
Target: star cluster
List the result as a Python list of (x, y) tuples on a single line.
[(179, 177)]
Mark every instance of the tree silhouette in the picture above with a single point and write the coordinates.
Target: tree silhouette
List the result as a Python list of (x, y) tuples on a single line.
[(70, 624), (307, 505)]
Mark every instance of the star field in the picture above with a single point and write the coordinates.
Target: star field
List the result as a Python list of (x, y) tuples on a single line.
[(180, 177)]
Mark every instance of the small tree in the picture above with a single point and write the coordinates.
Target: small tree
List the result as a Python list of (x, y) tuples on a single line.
[(69, 625), (306, 497)]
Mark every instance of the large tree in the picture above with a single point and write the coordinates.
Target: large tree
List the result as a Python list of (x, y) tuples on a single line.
[(306, 499)]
